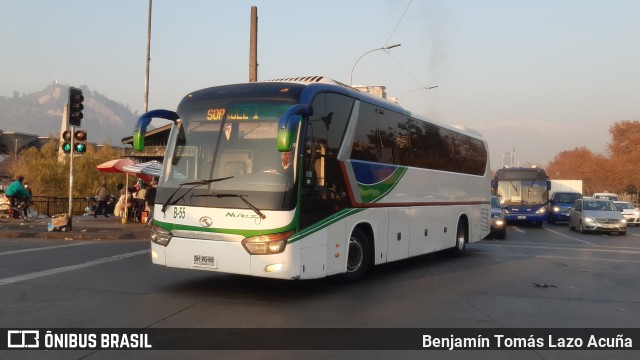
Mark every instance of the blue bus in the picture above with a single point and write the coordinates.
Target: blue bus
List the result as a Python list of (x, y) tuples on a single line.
[(523, 193)]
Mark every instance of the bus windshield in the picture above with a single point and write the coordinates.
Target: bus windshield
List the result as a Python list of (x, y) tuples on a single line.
[(234, 143), (522, 192)]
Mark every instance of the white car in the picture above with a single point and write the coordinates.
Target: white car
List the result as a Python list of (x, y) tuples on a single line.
[(596, 215), (629, 212)]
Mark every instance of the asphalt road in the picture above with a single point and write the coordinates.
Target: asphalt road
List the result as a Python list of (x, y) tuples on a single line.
[(546, 277)]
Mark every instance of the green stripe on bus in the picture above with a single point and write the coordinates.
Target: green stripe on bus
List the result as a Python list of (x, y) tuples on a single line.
[(324, 223), (245, 233), (248, 233)]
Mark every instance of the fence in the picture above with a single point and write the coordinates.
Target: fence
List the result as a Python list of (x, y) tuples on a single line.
[(49, 205)]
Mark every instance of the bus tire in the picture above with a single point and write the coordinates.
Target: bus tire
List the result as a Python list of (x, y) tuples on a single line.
[(461, 240), (358, 257)]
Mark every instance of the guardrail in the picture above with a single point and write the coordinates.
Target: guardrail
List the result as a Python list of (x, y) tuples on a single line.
[(49, 205)]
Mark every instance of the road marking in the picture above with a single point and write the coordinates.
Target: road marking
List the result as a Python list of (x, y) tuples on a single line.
[(43, 273), (517, 229), (569, 237), (44, 248), (590, 259), (610, 249)]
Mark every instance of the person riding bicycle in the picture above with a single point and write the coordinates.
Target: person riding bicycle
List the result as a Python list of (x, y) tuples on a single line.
[(16, 193)]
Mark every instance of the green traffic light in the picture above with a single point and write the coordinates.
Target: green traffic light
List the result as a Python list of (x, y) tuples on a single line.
[(80, 148), (66, 147)]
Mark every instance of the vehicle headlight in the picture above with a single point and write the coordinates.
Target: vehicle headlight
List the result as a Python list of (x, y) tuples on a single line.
[(588, 220), (499, 222), (541, 210), (267, 244), (556, 209), (623, 221), (637, 214), (160, 236)]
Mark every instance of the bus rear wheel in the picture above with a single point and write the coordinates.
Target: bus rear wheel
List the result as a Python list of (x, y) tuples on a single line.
[(359, 256), (461, 240)]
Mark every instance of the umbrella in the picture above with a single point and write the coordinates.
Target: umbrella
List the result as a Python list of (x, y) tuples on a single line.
[(153, 168), (114, 166), (119, 166)]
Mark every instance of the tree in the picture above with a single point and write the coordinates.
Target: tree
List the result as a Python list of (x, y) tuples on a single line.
[(580, 163), (625, 155), (47, 177)]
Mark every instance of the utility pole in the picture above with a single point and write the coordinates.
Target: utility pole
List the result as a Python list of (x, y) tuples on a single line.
[(146, 79), (253, 46)]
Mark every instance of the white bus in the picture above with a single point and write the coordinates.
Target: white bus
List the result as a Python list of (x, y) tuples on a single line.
[(304, 178)]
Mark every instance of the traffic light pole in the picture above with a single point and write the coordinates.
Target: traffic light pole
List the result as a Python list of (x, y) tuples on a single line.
[(71, 156)]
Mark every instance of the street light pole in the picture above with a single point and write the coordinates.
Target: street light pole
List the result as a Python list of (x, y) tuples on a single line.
[(386, 47)]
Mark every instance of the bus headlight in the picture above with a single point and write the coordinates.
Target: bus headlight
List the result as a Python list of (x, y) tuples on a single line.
[(160, 236), (267, 244)]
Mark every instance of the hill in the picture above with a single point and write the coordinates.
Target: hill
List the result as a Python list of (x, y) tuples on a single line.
[(40, 113)]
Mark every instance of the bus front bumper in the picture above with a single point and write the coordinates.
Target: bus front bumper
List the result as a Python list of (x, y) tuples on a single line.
[(226, 257)]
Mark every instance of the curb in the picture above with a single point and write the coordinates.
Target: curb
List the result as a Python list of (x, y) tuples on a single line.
[(76, 235), (84, 229)]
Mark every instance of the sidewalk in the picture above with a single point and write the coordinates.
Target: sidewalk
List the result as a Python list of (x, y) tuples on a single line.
[(83, 228)]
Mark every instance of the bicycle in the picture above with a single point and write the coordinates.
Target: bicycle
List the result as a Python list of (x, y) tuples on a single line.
[(28, 212)]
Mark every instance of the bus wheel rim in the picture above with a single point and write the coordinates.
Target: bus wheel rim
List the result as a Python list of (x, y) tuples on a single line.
[(356, 253), (460, 241)]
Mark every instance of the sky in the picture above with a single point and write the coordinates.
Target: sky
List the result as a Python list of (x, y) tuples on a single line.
[(534, 77)]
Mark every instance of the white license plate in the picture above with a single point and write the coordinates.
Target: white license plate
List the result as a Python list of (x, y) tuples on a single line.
[(205, 260), (522, 217)]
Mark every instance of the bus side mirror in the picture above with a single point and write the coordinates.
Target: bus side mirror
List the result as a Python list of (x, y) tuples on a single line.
[(288, 123), (285, 132), (144, 120)]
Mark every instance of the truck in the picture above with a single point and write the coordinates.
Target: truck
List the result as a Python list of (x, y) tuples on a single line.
[(562, 195), (566, 186)]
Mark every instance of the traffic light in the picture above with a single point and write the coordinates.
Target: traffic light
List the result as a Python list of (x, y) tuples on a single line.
[(80, 141), (74, 113), (66, 141)]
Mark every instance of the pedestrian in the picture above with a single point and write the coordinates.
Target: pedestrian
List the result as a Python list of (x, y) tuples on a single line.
[(150, 198), (102, 195), (17, 193), (118, 210)]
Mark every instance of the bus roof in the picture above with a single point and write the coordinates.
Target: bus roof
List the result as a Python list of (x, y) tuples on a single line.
[(307, 87)]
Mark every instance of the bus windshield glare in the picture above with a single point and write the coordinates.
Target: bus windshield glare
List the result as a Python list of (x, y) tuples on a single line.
[(234, 140), (523, 192)]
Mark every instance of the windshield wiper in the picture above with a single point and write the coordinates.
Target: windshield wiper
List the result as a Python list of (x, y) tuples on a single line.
[(250, 205), (194, 184)]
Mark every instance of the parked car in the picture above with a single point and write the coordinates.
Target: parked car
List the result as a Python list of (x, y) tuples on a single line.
[(559, 205), (498, 224), (596, 215), (630, 213)]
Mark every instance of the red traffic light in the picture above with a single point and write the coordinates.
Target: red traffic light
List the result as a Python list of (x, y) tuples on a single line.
[(66, 135), (80, 135)]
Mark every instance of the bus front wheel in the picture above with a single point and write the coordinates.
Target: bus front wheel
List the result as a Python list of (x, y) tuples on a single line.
[(359, 256)]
